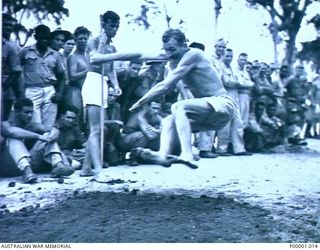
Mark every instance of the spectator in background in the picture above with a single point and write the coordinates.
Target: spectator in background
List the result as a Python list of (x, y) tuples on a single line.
[(274, 127), (113, 125), (297, 88), (142, 130), (58, 39), (313, 117), (30, 144), (129, 80), (71, 140), (68, 48), (11, 84), (43, 69), (244, 88), (279, 89), (150, 77), (262, 89), (231, 134), (254, 136), (78, 66), (220, 47)]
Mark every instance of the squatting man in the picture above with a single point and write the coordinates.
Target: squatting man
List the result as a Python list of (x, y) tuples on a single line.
[(210, 109)]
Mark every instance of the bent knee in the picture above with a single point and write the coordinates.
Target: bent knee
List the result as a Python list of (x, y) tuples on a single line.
[(167, 121), (178, 108), (95, 131)]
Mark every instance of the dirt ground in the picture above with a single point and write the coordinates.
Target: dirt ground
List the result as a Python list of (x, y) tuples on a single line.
[(100, 217), (261, 199), (130, 217)]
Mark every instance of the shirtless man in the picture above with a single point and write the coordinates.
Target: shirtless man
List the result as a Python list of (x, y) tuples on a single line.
[(102, 55), (78, 66), (211, 108)]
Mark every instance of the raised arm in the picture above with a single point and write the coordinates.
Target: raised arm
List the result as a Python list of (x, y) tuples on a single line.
[(96, 49)]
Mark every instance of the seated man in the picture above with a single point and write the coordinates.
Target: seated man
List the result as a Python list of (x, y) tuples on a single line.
[(113, 125), (71, 140), (274, 129), (28, 145), (142, 129), (254, 136)]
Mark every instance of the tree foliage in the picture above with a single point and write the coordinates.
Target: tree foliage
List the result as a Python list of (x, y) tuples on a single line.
[(39, 9), (148, 10), (286, 18), (310, 51)]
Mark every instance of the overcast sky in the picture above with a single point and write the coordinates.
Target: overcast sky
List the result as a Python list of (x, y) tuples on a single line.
[(241, 26)]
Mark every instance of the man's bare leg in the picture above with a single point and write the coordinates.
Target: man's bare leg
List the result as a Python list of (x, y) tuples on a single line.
[(167, 136), (94, 137), (183, 129), (87, 165)]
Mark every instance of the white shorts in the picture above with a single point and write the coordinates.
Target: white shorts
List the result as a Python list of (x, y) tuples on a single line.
[(92, 89)]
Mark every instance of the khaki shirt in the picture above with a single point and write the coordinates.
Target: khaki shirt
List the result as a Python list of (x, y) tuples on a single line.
[(40, 71), (10, 63), (243, 78), (228, 78), (218, 64)]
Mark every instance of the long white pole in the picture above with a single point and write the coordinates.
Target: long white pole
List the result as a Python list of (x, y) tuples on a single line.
[(102, 106), (102, 115)]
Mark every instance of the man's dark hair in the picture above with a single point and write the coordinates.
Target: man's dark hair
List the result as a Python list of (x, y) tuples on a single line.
[(23, 102), (228, 50), (243, 54), (197, 46), (42, 29), (81, 30), (110, 15), (174, 33), (71, 108)]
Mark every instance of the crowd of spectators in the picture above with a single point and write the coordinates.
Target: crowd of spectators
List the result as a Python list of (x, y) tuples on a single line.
[(45, 124)]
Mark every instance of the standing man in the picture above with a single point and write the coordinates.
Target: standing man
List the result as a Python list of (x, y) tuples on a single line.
[(102, 55), (210, 109), (219, 47), (10, 69), (68, 48), (233, 132), (244, 88), (78, 66), (42, 70)]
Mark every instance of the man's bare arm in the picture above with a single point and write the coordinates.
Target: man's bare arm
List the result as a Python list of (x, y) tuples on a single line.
[(186, 64), (18, 133), (73, 74), (103, 58)]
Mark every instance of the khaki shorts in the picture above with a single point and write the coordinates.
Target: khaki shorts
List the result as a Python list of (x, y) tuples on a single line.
[(209, 113)]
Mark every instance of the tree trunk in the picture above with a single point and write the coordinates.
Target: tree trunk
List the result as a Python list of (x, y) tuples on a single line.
[(291, 48)]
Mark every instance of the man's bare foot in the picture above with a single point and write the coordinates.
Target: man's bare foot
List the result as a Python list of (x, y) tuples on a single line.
[(178, 159), (86, 172), (101, 178), (190, 163), (151, 157)]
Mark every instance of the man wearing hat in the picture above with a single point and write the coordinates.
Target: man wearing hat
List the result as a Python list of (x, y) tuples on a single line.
[(58, 38), (43, 69), (220, 47)]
